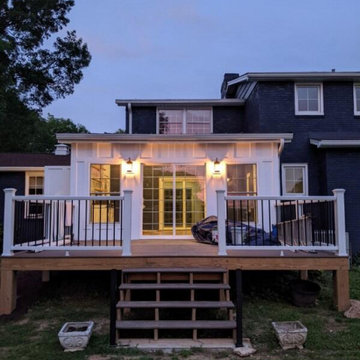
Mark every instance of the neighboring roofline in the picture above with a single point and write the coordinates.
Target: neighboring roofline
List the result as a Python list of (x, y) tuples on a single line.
[(21, 168), (335, 143), (182, 102), (146, 138), (297, 76)]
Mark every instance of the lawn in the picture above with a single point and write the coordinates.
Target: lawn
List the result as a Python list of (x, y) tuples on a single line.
[(84, 296)]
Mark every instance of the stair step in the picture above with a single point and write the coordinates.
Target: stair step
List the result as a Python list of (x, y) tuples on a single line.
[(175, 304), (172, 286), (174, 270), (176, 324)]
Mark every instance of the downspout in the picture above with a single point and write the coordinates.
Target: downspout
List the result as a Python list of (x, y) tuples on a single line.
[(281, 146), (130, 117)]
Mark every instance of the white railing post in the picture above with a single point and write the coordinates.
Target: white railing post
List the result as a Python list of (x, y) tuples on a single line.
[(126, 251), (9, 217), (340, 234), (221, 214)]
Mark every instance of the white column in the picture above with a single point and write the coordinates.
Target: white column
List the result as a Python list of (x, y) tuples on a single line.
[(221, 214), (127, 223), (340, 221), (9, 215)]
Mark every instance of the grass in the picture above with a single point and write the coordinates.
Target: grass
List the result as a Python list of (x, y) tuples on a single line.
[(84, 296)]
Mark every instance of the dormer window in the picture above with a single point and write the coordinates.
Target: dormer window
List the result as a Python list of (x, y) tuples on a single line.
[(309, 99), (193, 121), (356, 99)]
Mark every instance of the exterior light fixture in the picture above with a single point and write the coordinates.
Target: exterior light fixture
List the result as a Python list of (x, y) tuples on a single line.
[(129, 167), (217, 169)]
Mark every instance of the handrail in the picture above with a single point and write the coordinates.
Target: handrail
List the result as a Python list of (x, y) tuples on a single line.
[(284, 198), (65, 197)]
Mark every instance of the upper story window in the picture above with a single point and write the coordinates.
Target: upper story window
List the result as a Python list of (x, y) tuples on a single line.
[(357, 99), (309, 99), (185, 121), (294, 179)]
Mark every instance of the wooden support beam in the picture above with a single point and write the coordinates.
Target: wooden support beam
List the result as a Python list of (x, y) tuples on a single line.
[(45, 276), (113, 301), (304, 274), (8, 292), (341, 289), (239, 310)]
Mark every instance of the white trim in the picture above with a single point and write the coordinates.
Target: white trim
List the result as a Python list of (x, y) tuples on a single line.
[(305, 179), (22, 168), (356, 111), (335, 143), (320, 98), (38, 248), (180, 102), (283, 247)]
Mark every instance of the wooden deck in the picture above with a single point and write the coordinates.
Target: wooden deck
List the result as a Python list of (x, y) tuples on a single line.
[(172, 253)]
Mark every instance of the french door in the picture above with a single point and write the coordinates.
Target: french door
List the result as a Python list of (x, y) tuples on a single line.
[(173, 198)]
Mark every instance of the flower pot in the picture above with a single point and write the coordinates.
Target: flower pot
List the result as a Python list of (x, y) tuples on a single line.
[(291, 334), (304, 292), (75, 336)]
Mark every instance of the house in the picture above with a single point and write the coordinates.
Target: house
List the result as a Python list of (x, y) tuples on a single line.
[(129, 203)]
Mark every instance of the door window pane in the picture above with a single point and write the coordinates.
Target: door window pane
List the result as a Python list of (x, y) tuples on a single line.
[(242, 181), (104, 181)]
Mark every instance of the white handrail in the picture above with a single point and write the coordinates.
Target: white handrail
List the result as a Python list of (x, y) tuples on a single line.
[(66, 197), (281, 198)]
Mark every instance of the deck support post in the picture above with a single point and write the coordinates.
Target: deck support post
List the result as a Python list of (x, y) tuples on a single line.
[(113, 300), (239, 308), (127, 223), (340, 233), (341, 289), (9, 212), (221, 216), (7, 292)]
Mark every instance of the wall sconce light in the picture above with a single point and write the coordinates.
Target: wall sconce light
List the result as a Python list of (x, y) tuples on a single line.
[(129, 167), (217, 169)]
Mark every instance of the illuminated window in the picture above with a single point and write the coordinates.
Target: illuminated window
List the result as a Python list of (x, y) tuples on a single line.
[(104, 181), (184, 121)]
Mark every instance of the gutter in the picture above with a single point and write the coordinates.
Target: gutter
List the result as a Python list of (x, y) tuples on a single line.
[(321, 144)]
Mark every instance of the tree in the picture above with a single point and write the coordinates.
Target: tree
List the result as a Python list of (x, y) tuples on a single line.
[(35, 68), (35, 73), (45, 138)]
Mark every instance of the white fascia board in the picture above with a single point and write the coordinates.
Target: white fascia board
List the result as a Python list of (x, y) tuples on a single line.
[(182, 102), (335, 143), (20, 168), (144, 138), (297, 76)]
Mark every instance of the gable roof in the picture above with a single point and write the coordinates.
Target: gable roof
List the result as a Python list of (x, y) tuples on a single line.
[(30, 160)]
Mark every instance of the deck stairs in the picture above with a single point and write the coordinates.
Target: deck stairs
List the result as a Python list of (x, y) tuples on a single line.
[(194, 285)]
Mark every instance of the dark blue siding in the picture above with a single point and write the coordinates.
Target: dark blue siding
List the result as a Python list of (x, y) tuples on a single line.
[(14, 180), (228, 119), (144, 120)]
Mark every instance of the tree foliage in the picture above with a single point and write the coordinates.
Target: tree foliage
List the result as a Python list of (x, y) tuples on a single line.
[(36, 68), (32, 68)]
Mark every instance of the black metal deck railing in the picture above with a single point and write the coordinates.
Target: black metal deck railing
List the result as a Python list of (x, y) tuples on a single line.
[(72, 221), (266, 221)]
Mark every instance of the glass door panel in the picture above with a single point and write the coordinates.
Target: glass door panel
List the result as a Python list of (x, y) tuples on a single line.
[(174, 199)]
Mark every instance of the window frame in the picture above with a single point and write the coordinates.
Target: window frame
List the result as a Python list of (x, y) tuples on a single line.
[(320, 98), (28, 175), (304, 166), (183, 109), (356, 111)]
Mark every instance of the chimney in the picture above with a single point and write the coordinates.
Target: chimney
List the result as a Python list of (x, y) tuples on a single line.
[(227, 77), (61, 149)]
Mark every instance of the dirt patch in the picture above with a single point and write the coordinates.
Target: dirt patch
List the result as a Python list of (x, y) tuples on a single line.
[(333, 326), (101, 326), (100, 357)]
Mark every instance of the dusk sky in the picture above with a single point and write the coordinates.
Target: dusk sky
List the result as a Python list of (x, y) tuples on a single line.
[(181, 48)]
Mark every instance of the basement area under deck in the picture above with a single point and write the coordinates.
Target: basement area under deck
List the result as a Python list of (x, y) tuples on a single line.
[(173, 253)]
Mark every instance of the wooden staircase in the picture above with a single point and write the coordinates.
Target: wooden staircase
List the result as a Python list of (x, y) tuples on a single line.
[(157, 284)]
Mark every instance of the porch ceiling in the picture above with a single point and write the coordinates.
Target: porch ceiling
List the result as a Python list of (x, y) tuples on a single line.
[(146, 138)]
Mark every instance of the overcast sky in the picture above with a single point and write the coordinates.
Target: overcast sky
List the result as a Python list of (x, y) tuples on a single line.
[(181, 48)]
